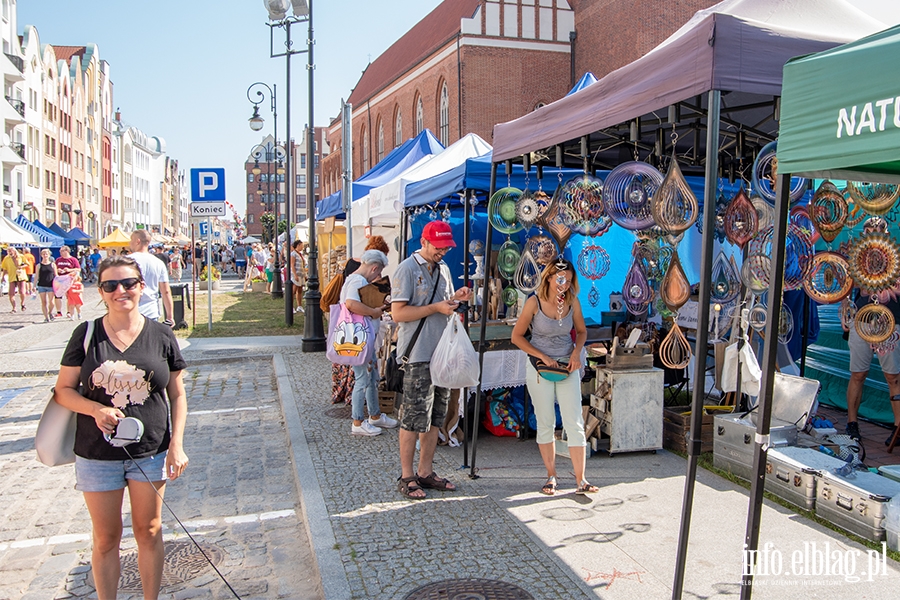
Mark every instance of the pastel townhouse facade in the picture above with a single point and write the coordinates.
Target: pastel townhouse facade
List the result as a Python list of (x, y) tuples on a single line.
[(13, 109), (33, 88)]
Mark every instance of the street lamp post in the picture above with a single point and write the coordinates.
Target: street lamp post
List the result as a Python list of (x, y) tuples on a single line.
[(313, 329), (256, 124)]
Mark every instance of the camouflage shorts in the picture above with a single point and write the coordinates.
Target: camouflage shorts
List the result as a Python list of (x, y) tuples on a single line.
[(423, 405)]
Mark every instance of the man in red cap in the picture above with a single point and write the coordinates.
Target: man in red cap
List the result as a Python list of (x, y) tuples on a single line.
[(422, 301)]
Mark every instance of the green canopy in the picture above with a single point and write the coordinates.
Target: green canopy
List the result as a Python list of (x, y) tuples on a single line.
[(840, 112)]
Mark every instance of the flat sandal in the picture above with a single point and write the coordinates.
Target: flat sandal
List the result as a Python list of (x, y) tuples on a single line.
[(549, 488), (586, 488)]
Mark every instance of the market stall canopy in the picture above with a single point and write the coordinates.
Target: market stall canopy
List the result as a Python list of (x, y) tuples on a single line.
[(67, 235), (182, 239), (734, 46), (12, 234), (250, 240), (79, 236), (852, 131), (117, 239), (47, 237), (361, 213), (586, 80), (399, 160)]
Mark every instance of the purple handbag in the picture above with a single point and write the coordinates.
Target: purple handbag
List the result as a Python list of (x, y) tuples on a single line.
[(351, 337)]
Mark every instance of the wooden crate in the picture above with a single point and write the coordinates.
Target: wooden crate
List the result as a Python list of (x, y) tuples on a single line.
[(386, 401), (677, 424)]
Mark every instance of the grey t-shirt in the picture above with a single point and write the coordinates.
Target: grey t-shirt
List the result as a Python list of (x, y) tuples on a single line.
[(413, 284), (351, 288)]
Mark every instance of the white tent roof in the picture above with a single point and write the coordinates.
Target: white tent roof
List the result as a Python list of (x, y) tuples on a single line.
[(361, 211), (10, 233)]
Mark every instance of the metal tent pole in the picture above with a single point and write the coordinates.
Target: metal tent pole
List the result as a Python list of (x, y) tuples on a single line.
[(709, 215), (464, 394)]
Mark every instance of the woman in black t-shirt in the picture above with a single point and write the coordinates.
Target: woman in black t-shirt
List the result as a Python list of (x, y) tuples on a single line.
[(131, 364)]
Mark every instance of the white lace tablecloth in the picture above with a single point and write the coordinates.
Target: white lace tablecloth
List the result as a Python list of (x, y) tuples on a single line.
[(503, 368)]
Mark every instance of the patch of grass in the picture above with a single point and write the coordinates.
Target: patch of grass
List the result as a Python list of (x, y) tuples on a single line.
[(240, 314)]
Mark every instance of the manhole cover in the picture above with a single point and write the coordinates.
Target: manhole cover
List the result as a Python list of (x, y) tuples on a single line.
[(469, 589), (182, 563), (340, 412)]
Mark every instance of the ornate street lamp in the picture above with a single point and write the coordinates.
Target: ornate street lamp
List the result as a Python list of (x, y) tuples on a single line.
[(273, 154)]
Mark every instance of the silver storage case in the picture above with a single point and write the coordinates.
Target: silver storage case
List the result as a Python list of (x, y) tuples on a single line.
[(791, 473), (857, 503)]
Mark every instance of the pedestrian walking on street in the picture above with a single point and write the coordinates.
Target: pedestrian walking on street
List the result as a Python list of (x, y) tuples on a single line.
[(66, 268), (13, 266), (74, 298), (46, 273), (422, 290), (298, 274), (155, 276), (131, 364), (176, 266)]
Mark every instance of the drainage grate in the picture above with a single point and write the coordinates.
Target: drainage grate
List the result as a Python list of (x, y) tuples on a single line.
[(340, 412), (182, 563), (469, 589)]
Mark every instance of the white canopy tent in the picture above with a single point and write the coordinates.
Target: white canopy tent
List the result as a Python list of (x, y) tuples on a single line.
[(10, 233)]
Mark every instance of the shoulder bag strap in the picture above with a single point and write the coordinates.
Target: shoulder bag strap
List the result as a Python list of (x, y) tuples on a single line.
[(88, 334), (405, 358)]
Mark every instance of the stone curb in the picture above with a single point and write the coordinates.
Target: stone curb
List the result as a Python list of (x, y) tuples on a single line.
[(315, 514)]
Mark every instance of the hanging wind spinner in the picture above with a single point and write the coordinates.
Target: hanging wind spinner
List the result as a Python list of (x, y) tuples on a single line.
[(593, 264), (741, 220), (675, 288), (888, 345), (874, 198), (874, 323), (542, 249), (674, 205), (765, 172), (874, 261), (799, 217), (721, 320), (755, 273), (628, 192), (509, 296), (798, 251), (828, 278), (726, 282), (528, 273), (828, 211), (637, 293), (757, 317), (508, 259), (655, 257), (785, 324), (675, 351), (721, 207), (502, 210), (581, 206), (530, 206), (847, 313), (552, 220), (765, 214)]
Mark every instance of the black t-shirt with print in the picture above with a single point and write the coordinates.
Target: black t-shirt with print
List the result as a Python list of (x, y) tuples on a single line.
[(134, 381)]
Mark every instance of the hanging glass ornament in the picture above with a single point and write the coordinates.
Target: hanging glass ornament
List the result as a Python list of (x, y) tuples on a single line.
[(542, 249), (627, 194), (502, 210), (637, 293), (529, 207), (510, 296), (675, 351), (675, 288), (764, 213), (757, 317), (765, 173), (874, 261), (828, 211), (552, 221), (874, 323), (581, 206), (593, 265), (726, 282), (508, 259), (785, 324), (847, 312), (828, 278), (528, 273), (874, 198), (741, 220), (674, 205)]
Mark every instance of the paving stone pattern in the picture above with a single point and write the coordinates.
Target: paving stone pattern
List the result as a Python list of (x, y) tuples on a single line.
[(390, 545)]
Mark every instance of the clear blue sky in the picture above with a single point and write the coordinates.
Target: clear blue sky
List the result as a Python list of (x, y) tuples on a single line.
[(181, 68)]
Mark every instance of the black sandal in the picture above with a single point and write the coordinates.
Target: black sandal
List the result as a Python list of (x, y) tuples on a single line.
[(410, 485), (549, 488), (434, 482)]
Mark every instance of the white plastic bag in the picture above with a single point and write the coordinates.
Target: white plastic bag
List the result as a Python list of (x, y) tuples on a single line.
[(751, 374), (454, 363)]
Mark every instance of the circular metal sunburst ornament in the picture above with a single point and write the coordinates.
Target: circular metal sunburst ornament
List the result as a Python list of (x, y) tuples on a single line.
[(798, 250), (502, 210), (542, 248), (875, 262), (765, 172), (828, 211), (874, 323), (593, 264), (581, 206), (529, 208), (828, 278), (874, 198), (627, 194)]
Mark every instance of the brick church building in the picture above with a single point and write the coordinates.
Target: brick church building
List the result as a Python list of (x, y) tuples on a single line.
[(470, 64)]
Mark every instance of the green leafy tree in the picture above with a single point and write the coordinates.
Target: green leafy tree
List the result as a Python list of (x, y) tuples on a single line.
[(267, 220)]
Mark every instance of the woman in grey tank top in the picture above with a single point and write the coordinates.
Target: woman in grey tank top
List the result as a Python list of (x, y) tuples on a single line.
[(551, 315)]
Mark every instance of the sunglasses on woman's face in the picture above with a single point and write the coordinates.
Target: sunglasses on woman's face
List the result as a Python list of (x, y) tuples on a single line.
[(111, 285)]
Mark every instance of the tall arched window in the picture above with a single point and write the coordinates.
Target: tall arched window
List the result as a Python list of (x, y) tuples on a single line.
[(365, 150), (398, 128), (380, 140), (420, 116), (444, 117)]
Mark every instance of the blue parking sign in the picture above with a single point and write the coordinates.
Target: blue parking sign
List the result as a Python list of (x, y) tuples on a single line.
[(204, 228), (208, 185)]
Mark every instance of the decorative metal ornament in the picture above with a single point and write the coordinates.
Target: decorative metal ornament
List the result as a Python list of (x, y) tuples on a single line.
[(502, 210), (828, 211), (552, 221), (847, 312), (798, 251), (593, 264), (542, 249), (874, 323), (799, 217), (875, 262), (628, 192), (721, 320), (581, 206), (528, 273), (674, 205), (765, 173), (721, 207), (529, 207), (726, 282), (675, 288), (765, 213), (510, 296), (675, 351), (828, 278), (874, 198), (741, 220), (755, 273), (785, 324), (508, 259), (888, 345), (757, 317), (637, 293)]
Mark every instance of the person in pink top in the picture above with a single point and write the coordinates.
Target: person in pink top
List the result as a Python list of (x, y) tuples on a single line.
[(67, 266), (74, 299)]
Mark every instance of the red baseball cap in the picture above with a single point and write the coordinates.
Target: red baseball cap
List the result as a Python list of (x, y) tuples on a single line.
[(438, 234)]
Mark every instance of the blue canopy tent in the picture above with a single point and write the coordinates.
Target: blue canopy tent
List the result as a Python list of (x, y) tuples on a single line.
[(45, 235), (399, 160), (69, 236), (65, 241), (586, 80), (80, 236)]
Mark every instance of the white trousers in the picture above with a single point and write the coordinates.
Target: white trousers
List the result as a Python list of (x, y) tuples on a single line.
[(544, 394)]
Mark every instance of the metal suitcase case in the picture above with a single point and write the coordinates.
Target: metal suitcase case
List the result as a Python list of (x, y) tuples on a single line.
[(857, 504), (791, 473)]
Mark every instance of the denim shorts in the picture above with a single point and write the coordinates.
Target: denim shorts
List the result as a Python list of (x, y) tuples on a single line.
[(44, 290), (422, 405), (110, 475)]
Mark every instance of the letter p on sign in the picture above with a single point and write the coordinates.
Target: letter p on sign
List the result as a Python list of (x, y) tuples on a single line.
[(207, 185)]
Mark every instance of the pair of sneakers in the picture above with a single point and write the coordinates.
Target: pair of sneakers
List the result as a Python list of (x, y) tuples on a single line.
[(373, 427), (853, 432)]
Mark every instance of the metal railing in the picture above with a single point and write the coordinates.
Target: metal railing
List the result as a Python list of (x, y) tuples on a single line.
[(19, 105)]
